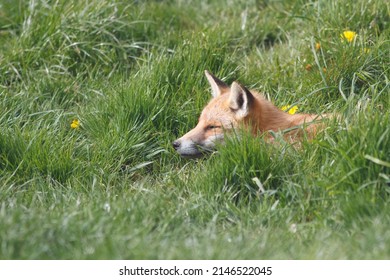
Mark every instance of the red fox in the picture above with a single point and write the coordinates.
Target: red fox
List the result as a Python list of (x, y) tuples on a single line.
[(235, 106)]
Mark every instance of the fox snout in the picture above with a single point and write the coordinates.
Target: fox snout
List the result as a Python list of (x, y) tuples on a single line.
[(189, 148), (176, 144)]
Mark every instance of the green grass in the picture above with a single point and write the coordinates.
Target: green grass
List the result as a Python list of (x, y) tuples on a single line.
[(132, 73)]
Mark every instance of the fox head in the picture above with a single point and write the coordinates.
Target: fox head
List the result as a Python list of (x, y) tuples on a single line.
[(226, 110)]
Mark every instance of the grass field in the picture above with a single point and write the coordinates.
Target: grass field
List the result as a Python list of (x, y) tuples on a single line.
[(132, 74)]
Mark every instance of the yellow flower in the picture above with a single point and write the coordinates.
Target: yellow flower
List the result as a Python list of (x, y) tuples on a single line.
[(348, 35), (291, 110), (75, 124), (318, 46)]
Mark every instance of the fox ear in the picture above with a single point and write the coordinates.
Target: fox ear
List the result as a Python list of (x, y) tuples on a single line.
[(217, 86), (240, 99)]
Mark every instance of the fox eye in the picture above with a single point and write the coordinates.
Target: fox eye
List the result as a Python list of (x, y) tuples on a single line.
[(212, 127)]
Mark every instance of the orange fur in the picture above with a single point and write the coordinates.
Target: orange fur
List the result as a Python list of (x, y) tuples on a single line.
[(236, 106)]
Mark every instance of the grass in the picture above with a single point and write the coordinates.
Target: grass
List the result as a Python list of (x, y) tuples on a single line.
[(132, 74)]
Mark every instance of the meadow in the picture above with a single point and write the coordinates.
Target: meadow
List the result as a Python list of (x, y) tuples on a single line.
[(93, 92)]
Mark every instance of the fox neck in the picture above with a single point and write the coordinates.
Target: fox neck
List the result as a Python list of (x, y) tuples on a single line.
[(265, 116)]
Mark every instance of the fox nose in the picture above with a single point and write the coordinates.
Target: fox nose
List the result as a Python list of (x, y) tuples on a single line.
[(176, 144)]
